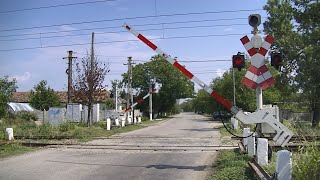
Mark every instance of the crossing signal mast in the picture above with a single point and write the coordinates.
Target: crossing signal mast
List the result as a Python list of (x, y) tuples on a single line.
[(258, 75)]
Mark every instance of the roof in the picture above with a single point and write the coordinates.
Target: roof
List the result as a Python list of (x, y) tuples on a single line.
[(24, 97), (15, 107)]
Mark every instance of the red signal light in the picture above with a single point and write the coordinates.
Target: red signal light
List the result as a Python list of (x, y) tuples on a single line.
[(238, 61)]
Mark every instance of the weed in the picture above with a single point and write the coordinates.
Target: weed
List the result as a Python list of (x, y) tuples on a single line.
[(230, 164)]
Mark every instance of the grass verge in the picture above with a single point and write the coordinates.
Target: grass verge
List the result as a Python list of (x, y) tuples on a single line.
[(231, 165), (7, 150)]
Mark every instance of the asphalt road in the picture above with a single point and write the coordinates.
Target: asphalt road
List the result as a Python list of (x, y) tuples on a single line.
[(183, 147)]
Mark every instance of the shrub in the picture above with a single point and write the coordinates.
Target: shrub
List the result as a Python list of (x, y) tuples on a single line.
[(307, 163), (66, 127), (45, 130), (27, 116)]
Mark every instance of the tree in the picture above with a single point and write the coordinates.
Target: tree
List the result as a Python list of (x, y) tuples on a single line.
[(88, 85), (43, 97), (296, 28), (174, 85), (7, 87)]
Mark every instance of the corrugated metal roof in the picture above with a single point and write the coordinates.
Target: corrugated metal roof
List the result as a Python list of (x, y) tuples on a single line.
[(16, 107)]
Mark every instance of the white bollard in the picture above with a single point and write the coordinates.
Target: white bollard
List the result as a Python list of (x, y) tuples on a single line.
[(139, 119), (235, 123), (9, 132), (284, 165), (117, 122), (134, 120), (251, 146), (246, 132), (262, 151), (108, 124), (123, 122), (129, 120)]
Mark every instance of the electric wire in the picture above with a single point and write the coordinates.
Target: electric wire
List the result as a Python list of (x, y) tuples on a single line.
[(55, 6), (122, 31), (136, 25), (120, 41), (131, 18), (238, 135)]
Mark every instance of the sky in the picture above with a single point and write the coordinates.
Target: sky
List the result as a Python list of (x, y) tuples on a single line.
[(33, 42)]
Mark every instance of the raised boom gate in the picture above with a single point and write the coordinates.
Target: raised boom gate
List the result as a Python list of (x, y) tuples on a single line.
[(283, 134)]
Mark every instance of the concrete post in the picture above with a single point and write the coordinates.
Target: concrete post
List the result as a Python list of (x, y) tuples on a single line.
[(117, 122), (246, 132), (262, 151), (9, 132), (139, 119), (235, 123), (251, 146), (123, 121), (284, 165), (108, 124)]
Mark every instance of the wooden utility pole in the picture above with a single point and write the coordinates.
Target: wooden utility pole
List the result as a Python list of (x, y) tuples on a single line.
[(69, 72)]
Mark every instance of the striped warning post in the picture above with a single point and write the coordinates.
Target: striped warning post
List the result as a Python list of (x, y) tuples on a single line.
[(258, 74), (140, 100), (181, 68)]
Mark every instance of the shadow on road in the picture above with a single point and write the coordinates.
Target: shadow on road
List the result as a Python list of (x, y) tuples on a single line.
[(158, 166), (163, 166), (201, 130)]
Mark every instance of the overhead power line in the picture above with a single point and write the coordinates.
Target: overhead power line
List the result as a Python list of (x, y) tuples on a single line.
[(55, 6), (121, 41), (152, 29), (130, 18), (110, 27)]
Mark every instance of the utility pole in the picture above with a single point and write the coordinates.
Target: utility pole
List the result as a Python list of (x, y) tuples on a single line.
[(129, 86), (69, 72), (91, 80), (116, 93), (150, 99)]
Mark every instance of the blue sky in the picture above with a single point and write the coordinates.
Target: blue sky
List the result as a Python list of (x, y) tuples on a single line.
[(30, 66)]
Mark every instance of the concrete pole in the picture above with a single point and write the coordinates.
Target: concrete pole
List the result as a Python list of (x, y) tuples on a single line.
[(69, 75), (259, 106), (116, 96), (150, 100), (234, 88)]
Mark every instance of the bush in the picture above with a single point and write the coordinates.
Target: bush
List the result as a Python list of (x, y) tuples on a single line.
[(45, 130), (66, 127), (27, 116), (307, 163)]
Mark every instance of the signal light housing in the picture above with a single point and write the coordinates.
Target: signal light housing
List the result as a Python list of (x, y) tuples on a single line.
[(238, 61), (276, 60), (254, 20), (111, 94)]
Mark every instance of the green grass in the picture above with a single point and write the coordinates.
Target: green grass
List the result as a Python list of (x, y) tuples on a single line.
[(11, 149), (231, 165)]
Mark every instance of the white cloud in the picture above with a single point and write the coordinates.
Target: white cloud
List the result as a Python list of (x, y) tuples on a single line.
[(228, 29), (220, 72), (22, 78)]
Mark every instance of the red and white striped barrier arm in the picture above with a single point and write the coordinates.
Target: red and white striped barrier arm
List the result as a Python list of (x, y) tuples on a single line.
[(175, 63), (140, 100)]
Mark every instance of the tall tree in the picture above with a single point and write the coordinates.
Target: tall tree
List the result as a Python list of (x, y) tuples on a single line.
[(88, 85), (43, 97), (7, 87), (295, 26), (174, 85)]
